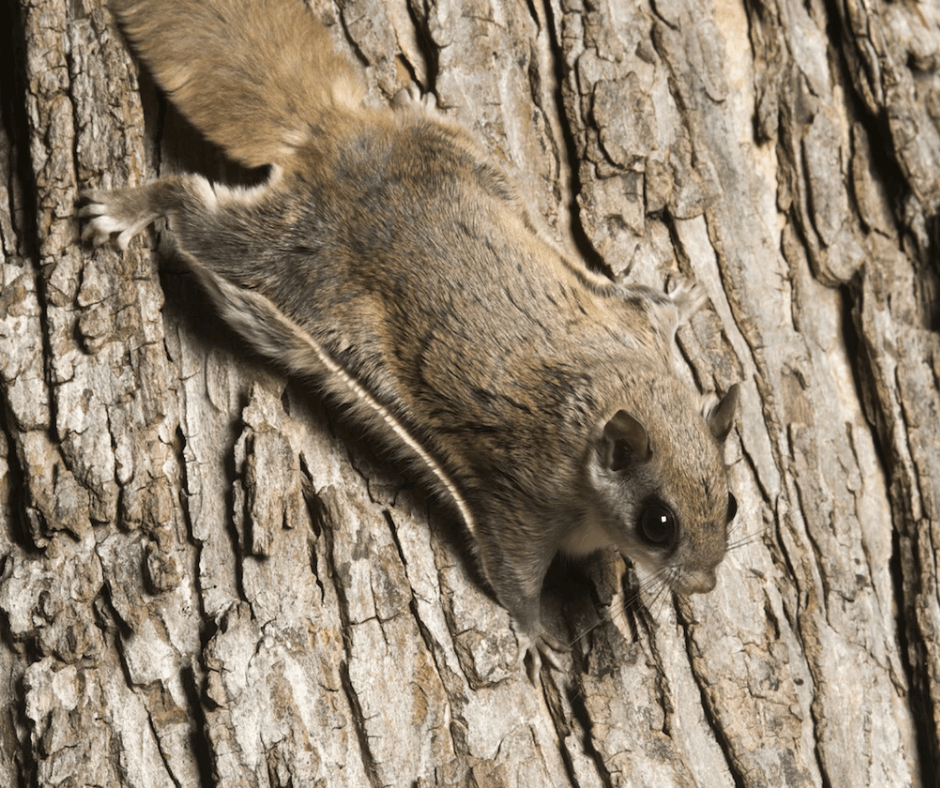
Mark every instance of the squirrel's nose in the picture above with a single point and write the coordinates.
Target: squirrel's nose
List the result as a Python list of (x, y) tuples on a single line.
[(700, 581)]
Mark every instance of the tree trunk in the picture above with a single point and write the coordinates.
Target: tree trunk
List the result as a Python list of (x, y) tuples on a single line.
[(208, 578)]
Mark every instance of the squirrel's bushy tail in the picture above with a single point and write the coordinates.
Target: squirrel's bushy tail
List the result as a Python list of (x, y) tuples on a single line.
[(254, 76)]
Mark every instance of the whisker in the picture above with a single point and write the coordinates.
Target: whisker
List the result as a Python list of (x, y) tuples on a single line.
[(744, 541), (578, 638), (661, 596), (653, 593), (618, 608)]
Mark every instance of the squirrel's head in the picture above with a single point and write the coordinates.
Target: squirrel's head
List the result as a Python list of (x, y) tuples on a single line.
[(660, 485)]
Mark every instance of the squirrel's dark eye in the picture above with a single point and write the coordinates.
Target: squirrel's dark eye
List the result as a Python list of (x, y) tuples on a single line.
[(657, 525), (732, 507)]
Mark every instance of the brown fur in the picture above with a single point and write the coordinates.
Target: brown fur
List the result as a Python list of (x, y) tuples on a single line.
[(391, 259), (254, 77)]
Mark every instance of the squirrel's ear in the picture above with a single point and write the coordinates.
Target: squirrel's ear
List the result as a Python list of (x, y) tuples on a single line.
[(625, 441), (721, 418)]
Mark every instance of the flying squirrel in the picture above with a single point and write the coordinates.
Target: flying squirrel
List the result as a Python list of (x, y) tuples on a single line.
[(388, 257)]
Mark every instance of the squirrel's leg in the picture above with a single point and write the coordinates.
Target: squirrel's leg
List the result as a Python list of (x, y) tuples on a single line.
[(517, 580), (666, 311), (411, 98), (205, 218), (672, 309), (215, 236), (689, 298), (126, 212)]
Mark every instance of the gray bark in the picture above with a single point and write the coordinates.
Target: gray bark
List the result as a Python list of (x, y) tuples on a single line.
[(207, 578)]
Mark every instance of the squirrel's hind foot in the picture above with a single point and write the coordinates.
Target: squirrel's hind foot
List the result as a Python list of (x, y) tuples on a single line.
[(124, 212)]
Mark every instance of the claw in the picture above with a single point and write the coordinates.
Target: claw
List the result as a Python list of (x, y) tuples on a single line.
[(534, 649), (108, 214), (688, 298), (412, 97)]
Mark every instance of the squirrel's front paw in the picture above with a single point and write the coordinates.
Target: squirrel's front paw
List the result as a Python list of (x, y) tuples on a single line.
[(122, 211), (688, 298), (411, 97), (532, 649)]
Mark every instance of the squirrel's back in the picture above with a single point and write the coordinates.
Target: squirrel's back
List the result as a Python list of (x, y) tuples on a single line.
[(258, 77)]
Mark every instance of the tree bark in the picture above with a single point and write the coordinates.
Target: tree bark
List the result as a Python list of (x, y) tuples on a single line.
[(208, 578)]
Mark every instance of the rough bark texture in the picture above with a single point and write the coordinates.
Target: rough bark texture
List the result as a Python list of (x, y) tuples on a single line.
[(207, 579)]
